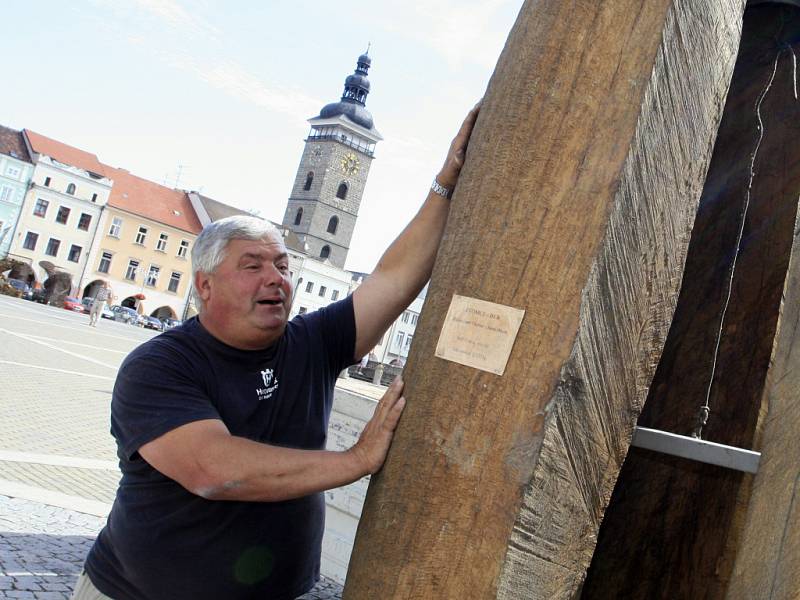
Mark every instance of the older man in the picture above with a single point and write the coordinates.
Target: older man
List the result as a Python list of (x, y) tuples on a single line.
[(221, 423)]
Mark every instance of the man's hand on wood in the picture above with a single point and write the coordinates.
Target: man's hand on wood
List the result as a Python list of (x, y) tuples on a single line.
[(448, 176), (374, 442)]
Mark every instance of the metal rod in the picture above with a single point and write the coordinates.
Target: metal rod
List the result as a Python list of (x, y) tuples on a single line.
[(696, 449)]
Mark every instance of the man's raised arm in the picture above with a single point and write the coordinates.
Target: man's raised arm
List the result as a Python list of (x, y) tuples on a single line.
[(406, 265)]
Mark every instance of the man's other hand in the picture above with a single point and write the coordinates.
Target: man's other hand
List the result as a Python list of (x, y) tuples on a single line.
[(373, 444)]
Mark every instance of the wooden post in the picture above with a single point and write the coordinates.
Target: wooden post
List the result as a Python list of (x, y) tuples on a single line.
[(575, 205), (674, 527)]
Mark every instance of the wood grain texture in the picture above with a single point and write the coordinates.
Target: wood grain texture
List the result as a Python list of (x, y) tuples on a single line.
[(673, 527), (768, 560), (575, 204)]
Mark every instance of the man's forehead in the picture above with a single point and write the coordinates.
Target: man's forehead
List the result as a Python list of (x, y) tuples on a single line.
[(270, 244)]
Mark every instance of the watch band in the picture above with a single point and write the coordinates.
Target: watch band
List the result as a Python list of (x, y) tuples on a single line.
[(438, 188)]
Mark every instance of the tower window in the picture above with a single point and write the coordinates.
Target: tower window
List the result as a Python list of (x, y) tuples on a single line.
[(341, 193), (71, 189), (299, 216), (325, 252), (333, 224), (309, 180)]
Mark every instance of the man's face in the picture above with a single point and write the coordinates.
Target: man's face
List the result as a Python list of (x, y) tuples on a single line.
[(246, 301)]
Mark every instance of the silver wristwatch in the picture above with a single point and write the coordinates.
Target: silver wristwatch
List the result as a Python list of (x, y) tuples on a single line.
[(438, 188)]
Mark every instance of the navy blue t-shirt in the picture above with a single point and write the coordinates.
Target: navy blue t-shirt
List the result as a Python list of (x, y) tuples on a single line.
[(163, 542)]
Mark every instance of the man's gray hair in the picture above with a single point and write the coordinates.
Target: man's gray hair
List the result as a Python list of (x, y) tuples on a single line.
[(209, 248)]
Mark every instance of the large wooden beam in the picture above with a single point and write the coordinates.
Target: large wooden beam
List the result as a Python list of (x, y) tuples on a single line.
[(575, 205), (673, 527)]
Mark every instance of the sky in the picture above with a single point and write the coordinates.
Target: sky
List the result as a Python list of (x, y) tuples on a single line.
[(214, 95)]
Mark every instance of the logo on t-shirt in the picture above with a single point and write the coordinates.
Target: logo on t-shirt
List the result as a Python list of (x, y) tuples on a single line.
[(270, 384)]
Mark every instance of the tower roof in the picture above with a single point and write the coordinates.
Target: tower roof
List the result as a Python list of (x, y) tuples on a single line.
[(354, 98)]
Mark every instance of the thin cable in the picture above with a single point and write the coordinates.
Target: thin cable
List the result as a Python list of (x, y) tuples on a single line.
[(705, 409)]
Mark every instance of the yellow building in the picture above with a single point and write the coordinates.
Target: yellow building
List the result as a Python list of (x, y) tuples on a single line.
[(143, 247)]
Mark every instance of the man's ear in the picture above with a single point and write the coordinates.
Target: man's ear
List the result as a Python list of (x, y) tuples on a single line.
[(202, 284)]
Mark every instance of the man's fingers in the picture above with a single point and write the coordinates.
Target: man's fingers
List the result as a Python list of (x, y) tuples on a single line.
[(389, 399), (469, 121), (393, 418)]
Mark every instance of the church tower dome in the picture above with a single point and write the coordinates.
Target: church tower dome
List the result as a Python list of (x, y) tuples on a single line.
[(354, 98)]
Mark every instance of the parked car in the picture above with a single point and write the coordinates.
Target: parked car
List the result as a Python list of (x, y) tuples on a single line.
[(20, 286), (107, 313), (152, 323), (124, 314), (72, 303), (170, 323), (87, 304), (37, 295)]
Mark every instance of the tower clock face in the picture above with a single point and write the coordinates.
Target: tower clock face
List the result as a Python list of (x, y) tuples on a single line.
[(316, 154), (350, 164)]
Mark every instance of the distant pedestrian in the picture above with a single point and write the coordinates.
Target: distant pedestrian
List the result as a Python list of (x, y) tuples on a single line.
[(102, 294)]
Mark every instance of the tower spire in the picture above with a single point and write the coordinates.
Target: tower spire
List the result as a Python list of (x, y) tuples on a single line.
[(356, 86)]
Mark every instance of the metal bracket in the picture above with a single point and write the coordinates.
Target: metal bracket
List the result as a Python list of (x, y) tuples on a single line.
[(703, 451)]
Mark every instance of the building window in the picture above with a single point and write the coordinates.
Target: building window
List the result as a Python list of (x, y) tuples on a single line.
[(7, 193), (408, 341), (183, 249), (161, 246), (298, 216), (333, 224), (46, 182), (116, 227), (325, 252), (399, 339), (30, 241), (52, 247), (71, 189), (105, 262), (404, 318), (130, 272), (174, 282), (303, 310), (84, 221), (310, 287), (141, 235), (414, 319), (40, 210), (152, 276), (74, 253), (309, 180), (335, 295), (322, 290), (341, 193), (13, 172), (94, 197), (63, 215)]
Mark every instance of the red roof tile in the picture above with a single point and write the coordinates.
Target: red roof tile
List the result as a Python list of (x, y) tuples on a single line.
[(152, 201), (64, 153)]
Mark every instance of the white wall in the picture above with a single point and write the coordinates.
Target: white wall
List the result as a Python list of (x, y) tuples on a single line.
[(350, 413)]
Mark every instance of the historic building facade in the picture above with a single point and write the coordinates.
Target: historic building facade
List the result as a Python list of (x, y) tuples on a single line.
[(330, 180), (16, 170), (59, 216), (143, 247)]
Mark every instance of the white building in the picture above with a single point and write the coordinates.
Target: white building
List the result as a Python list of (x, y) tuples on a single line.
[(396, 342), (317, 283), (60, 213)]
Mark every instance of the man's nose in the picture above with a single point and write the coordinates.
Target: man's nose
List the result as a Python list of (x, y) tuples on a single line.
[(272, 275)]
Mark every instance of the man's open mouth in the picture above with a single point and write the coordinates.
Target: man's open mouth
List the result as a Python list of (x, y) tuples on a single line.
[(273, 302)]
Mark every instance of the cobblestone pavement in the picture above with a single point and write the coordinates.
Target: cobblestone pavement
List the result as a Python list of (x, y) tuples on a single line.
[(58, 472)]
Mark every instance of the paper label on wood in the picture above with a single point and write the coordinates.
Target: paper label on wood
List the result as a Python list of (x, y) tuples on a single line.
[(479, 334)]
